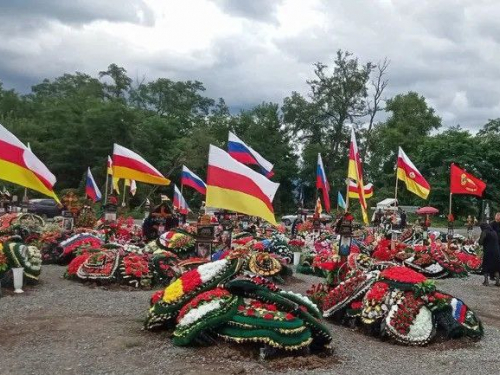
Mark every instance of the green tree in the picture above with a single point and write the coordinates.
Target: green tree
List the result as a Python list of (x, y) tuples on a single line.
[(121, 82)]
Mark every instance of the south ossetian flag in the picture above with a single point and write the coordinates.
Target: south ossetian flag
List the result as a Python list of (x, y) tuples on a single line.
[(355, 173), (130, 165), (236, 187), (19, 165), (414, 181), (354, 190)]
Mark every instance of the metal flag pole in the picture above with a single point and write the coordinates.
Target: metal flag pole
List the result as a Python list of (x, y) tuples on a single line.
[(396, 188), (347, 181), (107, 187), (124, 191)]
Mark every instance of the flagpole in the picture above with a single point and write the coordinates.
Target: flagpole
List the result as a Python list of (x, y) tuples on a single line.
[(106, 189), (347, 195), (396, 188), (451, 195), (124, 192)]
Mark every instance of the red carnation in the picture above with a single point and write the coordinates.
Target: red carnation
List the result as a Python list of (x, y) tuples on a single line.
[(289, 316), (268, 316), (271, 307), (156, 296), (259, 246), (356, 305)]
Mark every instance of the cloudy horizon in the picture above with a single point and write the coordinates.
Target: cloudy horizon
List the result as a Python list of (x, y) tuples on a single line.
[(248, 52)]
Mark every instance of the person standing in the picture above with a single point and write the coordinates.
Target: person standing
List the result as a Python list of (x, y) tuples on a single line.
[(403, 219), (491, 254), (495, 225)]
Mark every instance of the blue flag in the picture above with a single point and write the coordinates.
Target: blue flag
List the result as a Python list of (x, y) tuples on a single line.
[(340, 200)]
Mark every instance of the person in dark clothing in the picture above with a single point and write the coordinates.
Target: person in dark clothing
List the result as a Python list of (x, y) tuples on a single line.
[(495, 225), (403, 219), (150, 228), (491, 254)]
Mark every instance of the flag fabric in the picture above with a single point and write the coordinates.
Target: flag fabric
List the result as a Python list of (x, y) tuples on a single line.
[(318, 209), (116, 185), (355, 173), (233, 186), (91, 188), (409, 174), (322, 183), (115, 181), (18, 164), (240, 151), (109, 166), (133, 187), (462, 182), (179, 202), (354, 191), (340, 200), (190, 179), (128, 164)]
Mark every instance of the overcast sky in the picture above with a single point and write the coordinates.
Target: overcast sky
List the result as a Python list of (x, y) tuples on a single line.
[(249, 51)]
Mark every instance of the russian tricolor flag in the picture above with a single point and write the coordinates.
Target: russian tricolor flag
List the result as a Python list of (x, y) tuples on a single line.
[(91, 188), (188, 178), (240, 151), (179, 202), (322, 183)]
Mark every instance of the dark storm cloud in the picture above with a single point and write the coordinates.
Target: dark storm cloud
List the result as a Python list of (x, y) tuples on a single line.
[(447, 50), (79, 11), (259, 10)]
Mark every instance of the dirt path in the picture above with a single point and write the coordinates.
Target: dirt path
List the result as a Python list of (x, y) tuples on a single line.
[(64, 327)]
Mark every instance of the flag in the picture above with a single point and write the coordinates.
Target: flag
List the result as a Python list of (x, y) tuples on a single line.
[(355, 173), (116, 185), (128, 164), (240, 151), (233, 186), (462, 182), (188, 178), (179, 202), (412, 178), (340, 200), (91, 188), (109, 166), (133, 187), (318, 209), (322, 183), (109, 171), (354, 192), (18, 164)]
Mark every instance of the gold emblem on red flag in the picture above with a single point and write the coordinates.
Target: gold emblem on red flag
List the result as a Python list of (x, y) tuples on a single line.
[(467, 183)]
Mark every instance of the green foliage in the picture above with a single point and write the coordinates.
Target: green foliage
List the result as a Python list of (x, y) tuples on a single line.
[(73, 120)]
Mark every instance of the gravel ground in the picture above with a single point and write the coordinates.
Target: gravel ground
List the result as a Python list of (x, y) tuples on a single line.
[(64, 327)]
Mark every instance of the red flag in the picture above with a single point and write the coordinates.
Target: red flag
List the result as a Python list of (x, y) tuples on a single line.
[(462, 182)]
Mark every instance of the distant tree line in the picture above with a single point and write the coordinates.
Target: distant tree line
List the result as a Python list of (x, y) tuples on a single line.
[(72, 122)]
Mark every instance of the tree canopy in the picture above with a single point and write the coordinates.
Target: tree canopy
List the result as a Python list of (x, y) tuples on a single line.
[(73, 120)]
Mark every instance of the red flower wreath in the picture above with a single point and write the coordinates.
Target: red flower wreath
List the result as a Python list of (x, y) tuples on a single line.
[(402, 275)]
